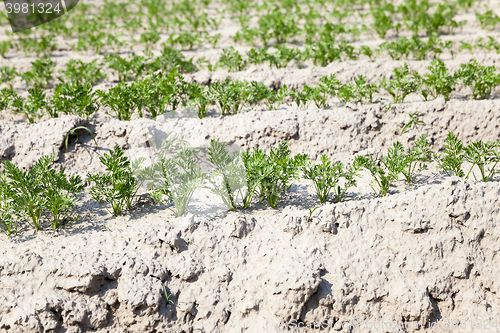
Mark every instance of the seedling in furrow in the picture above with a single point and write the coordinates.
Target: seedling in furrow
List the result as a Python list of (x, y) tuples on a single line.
[(439, 82), (386, 170), (451, 161), (80, 72), (227, 180), (41, 192), (8, 218), (74, 98), (232, 60), (326, 176), (481, 79), (403, 83), (119, 185), (254, 161), (175, 176), (413, 159), (413, 121), (484, 155), (40, 73), (278, 171), (7, 74)]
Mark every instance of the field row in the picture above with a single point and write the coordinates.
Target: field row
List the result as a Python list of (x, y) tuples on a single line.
[(159, 93), (44, 195), (136, 66), (187, 22)]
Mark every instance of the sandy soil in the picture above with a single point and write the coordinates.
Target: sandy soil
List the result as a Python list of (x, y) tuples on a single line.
[(426, 253)]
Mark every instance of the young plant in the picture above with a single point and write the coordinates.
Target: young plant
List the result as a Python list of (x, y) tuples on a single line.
[(228, 178), (324, 53), (232, 60), (34, 106), (488, 20), (185, 39), (167, 295), (283, 93), (8, 218), (212, 39), (311, 212), (258, 56), (414, 157), (385, 171), (43, 191), (230, 96), (71, 132), (199, 95), (284, 55), (330, 84), (5, 46), (302, 98), (439, 82), (326, 176), (40, 73), (149, 39), (254, 161), (279, 169), (119, 185), (480, 79), (176, 175), (347, 92), (28, 45), (148, 96), (349, 175), (413, 121), (451, 161), (396, 49), (75, 98), (403, 83), (8, 98), (172, 58), (482, 154), (94, 41), (364, 90), (113, 41), (488, 45), (465, 46), (257, 91), (80, 72), (276, 25), (7, 74), (419, 49), (26, 193), (60, 192), (120, 99), (45, 45), (173, 90), (382, 18), (318, 95), (246, 35), (367, 51), (126, 69)]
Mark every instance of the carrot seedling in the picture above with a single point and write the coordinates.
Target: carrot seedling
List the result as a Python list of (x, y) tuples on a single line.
[(119, 186)]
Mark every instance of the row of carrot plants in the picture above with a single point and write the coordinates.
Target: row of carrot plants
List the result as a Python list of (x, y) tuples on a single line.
[(187, 22), (159, 93), (137, 66), (44, 195), (321, 52)]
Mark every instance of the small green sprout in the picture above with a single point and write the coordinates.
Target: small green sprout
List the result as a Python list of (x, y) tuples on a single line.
[(71, 132), (167, 296), (413, 121)]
